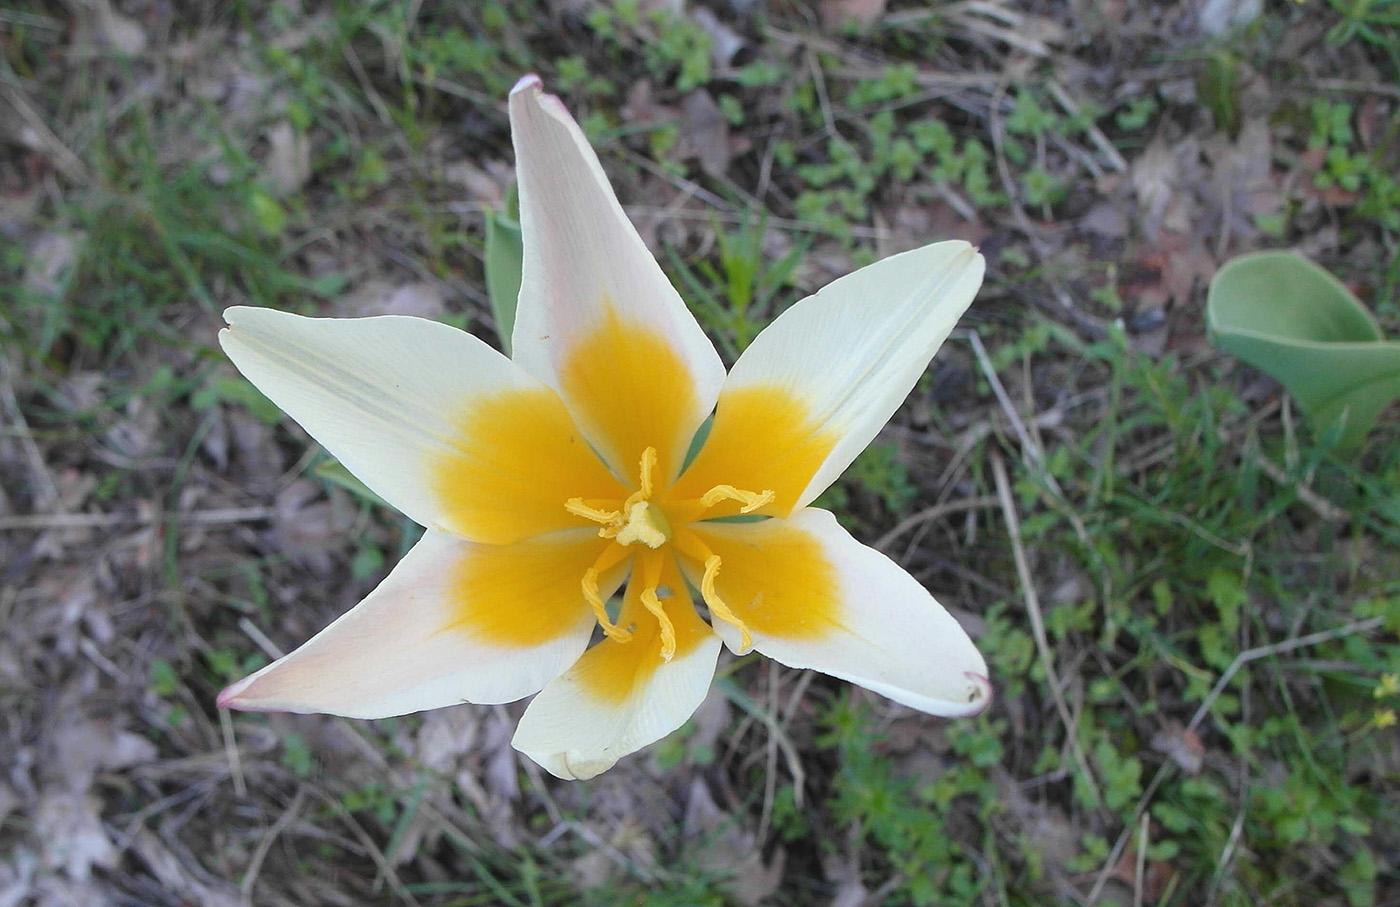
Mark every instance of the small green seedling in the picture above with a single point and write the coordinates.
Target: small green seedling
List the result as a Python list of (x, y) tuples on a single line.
[(1290, 318)]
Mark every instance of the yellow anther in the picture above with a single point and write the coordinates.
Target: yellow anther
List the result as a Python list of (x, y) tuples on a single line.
[(717, 606), (577, 507), (750, 500), (652, 603), (648, 468), (600, 609)]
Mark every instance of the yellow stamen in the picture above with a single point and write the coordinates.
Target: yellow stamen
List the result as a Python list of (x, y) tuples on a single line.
[(650, 565), (578, 507), (648, 468), (600, 608), (652, 603), (717, 606), (750, 500), (611, 557)]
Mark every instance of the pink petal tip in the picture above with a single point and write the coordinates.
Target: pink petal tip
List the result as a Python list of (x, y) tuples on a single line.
[(528, 81), (984, 695), (228, 697)]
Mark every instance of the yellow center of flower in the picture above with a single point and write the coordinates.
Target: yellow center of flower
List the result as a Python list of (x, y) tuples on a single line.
[(646, 522)]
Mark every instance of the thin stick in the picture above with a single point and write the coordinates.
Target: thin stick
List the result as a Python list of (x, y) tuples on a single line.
[(235, 759), (63, 158), (1101, 142), (259, 637), (1140, 869), (1042, 642), (250, 877), (1226, 855), (1032, 450), (929, 514), (46, 492), (1278, 648), (770, 774), (1320, 505), (375, 854), (41, 522)]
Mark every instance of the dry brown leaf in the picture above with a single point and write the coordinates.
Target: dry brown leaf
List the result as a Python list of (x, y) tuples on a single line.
[(842, 869), (711, 721), (1183, 746), (378, 297), (50, 261), (725, 43), (643, 108), (837, 13), (175, 878), (69, 825), (704, 133), (1217, 17), (1156, 875), (1243, 186), (307, 526), (485, 184), (108, 27), (1161, 179), (721, 845), (445, 736)]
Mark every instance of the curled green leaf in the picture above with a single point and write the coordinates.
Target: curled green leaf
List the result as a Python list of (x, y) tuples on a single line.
[(1290, 318)]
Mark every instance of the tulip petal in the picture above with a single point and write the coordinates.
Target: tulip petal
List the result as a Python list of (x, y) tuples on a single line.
[(453, 622), (597, 319), (817, 385), (432, 419), (813, 597), (620, 697)]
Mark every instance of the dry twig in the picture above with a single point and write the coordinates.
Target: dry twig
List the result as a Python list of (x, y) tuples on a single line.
[(1042, 642)]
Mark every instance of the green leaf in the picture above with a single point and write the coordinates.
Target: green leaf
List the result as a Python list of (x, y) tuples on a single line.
[(505, 257), (268, 213), (1286, 316), (332, 471)]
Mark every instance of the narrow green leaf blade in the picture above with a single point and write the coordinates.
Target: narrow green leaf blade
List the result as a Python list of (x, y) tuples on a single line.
[(332, 471), (505, 257)]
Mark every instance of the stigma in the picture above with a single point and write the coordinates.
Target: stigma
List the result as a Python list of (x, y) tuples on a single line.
[(644, 523)]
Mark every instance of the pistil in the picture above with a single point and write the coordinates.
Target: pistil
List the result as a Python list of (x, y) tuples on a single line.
[(646, 524)]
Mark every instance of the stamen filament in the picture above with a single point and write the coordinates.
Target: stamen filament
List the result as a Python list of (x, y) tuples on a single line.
[(611, 557), (691, 545), (651, 565), (750, 500), (652, 603), (648, 467), (717, 606), (578, 507)]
